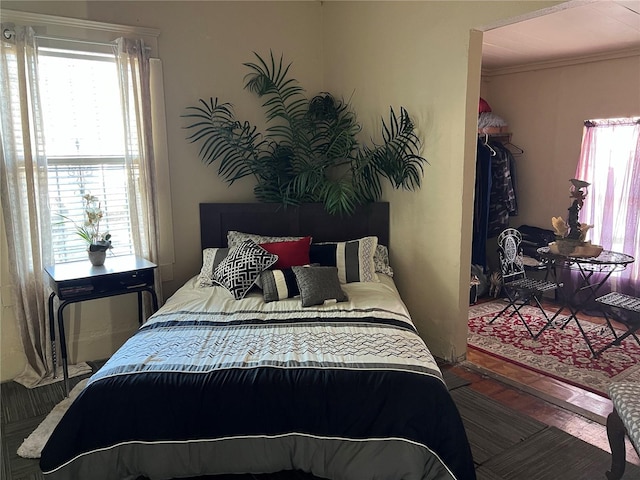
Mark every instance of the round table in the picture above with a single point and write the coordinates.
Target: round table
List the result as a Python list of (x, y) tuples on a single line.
[(606, 263)]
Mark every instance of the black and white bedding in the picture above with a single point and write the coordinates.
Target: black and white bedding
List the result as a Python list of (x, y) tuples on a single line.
[(212, 385)]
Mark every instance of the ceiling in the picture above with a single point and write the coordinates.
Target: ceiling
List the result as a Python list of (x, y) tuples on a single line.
[(574, 30)]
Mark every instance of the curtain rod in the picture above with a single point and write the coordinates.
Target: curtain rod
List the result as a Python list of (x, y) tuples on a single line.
[(8, 33), (147, 48), (613, 121)]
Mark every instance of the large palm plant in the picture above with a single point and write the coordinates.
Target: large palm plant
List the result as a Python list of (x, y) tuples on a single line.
[(309, 151)]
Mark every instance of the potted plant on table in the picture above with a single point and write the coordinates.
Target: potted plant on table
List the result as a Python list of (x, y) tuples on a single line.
[(97, 242)]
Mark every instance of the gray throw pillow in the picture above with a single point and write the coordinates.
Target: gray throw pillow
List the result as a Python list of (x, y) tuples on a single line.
[(318, 284)]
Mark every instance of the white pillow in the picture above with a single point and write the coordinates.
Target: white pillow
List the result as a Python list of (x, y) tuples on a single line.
[(381, 260), (235, 238), (354, 258), (211, 258)]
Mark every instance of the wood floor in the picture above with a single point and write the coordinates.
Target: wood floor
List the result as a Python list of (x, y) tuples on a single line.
[(574, 410)]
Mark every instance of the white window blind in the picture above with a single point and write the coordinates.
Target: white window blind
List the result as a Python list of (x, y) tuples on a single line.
[(84, 143)]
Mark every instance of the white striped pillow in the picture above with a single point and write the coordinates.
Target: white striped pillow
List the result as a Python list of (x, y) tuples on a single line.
[(354, 258)]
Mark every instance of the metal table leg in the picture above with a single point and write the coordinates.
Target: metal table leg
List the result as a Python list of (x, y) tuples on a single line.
[(63, 348), (52, 334)]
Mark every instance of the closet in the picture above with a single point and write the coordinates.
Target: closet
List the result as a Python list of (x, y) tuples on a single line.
[(495, 200)]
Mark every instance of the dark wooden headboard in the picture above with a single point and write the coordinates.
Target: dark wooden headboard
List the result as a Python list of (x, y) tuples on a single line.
[(308, 219)]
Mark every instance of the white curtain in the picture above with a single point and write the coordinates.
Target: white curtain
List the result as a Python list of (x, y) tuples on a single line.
[(610, 161), (133, 66), (23, 183), (24, 196)]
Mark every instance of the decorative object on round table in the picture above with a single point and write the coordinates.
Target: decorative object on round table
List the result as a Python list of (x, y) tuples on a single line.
[(571, 235), (573, 248)]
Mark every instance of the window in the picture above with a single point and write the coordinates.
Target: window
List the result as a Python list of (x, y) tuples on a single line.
[(24, 166), (84, 142), (610, 161)]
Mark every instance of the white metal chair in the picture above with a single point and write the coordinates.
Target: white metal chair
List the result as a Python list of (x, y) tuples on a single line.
[(519, 289), (617, 303)]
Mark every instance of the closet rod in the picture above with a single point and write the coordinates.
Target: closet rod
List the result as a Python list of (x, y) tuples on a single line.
[(508, 141), (485, 142)]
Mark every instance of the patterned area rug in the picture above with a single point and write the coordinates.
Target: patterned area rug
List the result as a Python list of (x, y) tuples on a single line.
[(560, 353)]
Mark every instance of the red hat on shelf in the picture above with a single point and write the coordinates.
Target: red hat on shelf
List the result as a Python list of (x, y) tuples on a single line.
[(483, 106)]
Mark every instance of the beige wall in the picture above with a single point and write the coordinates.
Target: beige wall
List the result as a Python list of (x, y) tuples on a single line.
[(547, 122), (202, 47), (413, 54)]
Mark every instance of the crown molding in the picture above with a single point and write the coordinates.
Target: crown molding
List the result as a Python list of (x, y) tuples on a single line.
[(565, 62)]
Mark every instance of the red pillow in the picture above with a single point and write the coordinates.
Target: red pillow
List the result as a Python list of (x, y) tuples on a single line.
[(289, 253)]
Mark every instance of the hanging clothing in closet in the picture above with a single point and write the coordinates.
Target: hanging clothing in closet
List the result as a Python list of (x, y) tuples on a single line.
[(502, 199), (495, 198), (481, 205)]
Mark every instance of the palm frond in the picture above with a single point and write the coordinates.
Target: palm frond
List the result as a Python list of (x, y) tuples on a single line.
[(310, 150), (333, 127), (236, 145), (366, 177), (285, 97), (307, 184), (339, 197), (397, 158)]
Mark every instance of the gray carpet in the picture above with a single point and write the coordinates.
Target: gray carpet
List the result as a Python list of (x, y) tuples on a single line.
[(491, 428), (549, 455), (506, 445), (21, 411)]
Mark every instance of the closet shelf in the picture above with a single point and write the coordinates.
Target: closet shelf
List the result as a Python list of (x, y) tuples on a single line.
[(494, 131)]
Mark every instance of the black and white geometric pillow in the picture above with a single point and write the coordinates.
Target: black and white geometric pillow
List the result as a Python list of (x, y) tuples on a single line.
[(242, 266)]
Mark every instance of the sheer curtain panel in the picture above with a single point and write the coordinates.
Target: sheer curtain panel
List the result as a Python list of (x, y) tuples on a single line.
[(610, 161), (24, 197), (132, 59), (25, 193)]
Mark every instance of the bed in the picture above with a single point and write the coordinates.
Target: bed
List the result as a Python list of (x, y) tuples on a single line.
[(220, 382)]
